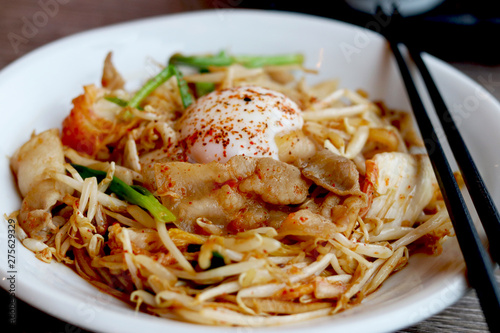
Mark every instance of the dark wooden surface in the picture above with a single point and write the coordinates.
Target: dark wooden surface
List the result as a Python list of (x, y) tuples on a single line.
[(66, 17)]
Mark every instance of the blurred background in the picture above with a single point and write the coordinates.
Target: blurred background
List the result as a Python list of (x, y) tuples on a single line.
[(463, 33), (453, 30)]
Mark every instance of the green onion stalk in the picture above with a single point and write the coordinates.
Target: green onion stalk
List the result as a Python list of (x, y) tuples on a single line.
[(136, 195)]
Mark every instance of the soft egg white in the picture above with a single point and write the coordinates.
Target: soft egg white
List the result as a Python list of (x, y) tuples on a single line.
[(238, 121)]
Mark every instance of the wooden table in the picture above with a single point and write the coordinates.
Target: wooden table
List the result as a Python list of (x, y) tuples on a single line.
[(66, 17)]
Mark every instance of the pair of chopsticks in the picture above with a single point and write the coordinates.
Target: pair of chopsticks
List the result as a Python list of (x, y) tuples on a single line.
[(480, 269)]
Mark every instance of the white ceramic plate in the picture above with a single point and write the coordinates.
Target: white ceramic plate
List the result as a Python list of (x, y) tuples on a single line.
[(36, 93)]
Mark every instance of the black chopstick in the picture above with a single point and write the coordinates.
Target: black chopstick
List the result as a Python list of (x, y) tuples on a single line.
[(485, 207), (480, 270)]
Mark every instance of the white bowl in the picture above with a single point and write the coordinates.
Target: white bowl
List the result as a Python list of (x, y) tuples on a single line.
[(36, 93)]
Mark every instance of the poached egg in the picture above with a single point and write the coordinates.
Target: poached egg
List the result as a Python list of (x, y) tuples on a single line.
[(238, 121)]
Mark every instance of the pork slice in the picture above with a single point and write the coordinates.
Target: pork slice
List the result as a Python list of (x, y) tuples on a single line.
[(242, 194), (276, 182), (34, 164), (111, 78), (333, 172), (183, 179)]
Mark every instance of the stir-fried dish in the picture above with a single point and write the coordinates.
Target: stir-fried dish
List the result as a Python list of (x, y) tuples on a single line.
[(228, 191)]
